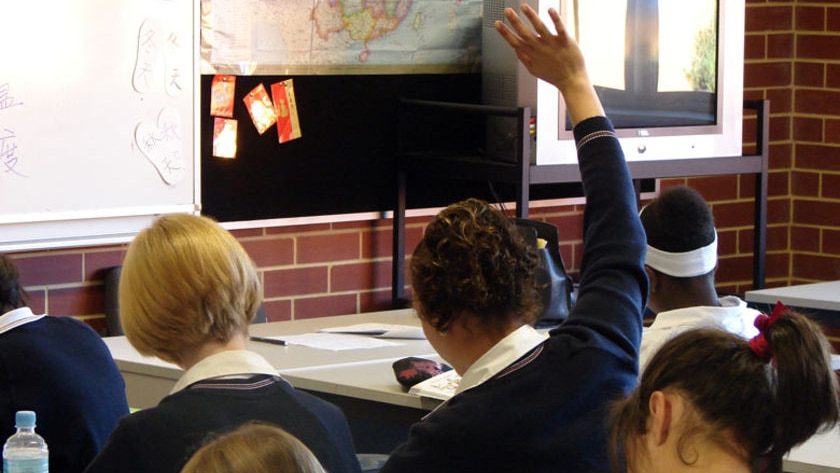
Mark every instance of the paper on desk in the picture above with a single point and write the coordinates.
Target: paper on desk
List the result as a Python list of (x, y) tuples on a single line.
[(336, 341), (442, 386), (380, 330)]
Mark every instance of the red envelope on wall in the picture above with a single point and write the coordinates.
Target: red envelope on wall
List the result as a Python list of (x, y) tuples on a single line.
[(221, 98), (285, 109), (260, 107)]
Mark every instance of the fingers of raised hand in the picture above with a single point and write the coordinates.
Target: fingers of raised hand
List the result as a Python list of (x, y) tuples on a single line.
[(539, 26), (523, 32), (507, 34)]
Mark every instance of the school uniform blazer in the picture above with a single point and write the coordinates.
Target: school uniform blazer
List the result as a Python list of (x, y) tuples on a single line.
[(61, 369), (547, 412), (161, 439)]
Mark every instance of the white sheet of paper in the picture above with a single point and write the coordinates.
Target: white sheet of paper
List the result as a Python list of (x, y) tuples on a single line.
[(380, 330), (336, 341)]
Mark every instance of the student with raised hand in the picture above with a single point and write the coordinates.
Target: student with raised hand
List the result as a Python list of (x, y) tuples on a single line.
[(710, 400), (254, 448), (61, 369), (187, 293), (529, 402), (681, 262)]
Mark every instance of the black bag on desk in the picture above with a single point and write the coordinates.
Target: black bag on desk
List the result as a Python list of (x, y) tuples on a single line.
[(555, 285)]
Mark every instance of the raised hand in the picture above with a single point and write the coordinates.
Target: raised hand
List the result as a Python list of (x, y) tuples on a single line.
[(555, 58)]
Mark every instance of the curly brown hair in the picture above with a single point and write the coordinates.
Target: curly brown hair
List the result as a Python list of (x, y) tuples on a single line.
[(472, 259)]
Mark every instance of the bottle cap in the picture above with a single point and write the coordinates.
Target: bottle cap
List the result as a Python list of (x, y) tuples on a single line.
[(25, 419)]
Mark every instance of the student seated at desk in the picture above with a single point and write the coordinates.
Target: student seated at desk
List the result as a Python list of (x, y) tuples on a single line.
[(187, 292), (529, 402), (709, 400), (681, 262), (254, 448), (61, 369)]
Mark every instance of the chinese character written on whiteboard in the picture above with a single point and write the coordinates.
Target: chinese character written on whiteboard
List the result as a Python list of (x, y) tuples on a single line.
[(8, 139)]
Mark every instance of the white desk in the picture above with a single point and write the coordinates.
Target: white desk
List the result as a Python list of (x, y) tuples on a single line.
[(363, 373), (821, 295), (360, 381), (820, 454)]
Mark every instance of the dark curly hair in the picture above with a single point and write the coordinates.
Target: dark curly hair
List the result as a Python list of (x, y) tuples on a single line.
[(473, 259), (12, 295), (679, 220)]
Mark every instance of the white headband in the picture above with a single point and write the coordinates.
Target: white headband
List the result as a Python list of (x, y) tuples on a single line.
[(684, 265)]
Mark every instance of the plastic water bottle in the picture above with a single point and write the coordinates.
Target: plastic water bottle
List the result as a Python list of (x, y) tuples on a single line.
[(25, 451)]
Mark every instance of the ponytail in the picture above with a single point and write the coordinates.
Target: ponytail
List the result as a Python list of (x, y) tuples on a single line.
[(757, 398), (806, 388)]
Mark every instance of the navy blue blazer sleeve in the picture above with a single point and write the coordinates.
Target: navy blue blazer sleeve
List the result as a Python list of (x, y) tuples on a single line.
[(613, 285)]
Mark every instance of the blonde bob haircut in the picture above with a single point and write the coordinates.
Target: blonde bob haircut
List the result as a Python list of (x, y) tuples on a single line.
[(185, 280), (254, 448)]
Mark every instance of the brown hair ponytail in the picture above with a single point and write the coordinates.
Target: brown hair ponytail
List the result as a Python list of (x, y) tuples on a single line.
[(744, 402), (806, 391)]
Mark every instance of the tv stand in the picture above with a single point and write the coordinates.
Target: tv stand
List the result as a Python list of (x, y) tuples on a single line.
[(522, 174)]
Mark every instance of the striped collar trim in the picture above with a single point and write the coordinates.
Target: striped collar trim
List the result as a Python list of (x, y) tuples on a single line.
[(15, 318), (235, 384), (524, 361), (227, 364), (521, 363), (501, 356)]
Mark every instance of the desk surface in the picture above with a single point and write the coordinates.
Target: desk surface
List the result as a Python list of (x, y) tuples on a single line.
[(362, 373), (821, 295), (365, 375), (820, 454)]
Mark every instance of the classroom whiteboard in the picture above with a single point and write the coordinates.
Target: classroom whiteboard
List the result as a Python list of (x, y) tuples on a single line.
[(98, 113)]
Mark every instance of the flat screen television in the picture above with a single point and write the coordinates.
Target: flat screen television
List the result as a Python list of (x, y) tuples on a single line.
[(669, 73)]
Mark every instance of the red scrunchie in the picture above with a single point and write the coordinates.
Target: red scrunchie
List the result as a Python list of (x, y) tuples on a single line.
[(758, 344)]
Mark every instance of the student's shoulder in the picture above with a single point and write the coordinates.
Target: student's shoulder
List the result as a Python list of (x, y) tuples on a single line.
[(320, 407), (68, 322)]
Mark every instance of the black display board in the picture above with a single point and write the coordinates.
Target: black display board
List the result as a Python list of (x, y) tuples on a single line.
[(345, 161)]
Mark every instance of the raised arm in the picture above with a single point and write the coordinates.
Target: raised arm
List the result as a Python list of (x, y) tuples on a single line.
[(613, 283), (554, 58)]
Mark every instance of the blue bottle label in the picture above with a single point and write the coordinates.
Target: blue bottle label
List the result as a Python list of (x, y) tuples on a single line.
[(35, 465)]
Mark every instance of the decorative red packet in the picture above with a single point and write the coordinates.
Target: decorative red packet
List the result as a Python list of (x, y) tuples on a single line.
[(224, 138), (221, 98), (285, 108), (260, 107)]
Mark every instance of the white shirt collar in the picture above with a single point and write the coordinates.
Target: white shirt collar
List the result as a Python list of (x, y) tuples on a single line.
[(226, 363), (501, 355), (16, 318), (732, 314)]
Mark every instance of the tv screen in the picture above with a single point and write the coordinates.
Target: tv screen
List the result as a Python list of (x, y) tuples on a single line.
[(669, 73), (654, 63)]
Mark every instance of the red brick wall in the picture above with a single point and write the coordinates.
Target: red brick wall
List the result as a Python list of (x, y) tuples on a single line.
[(792, 51), (307, 271)]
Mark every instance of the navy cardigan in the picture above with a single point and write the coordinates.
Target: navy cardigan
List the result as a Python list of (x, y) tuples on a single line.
[(61, 369), (161, 439), (547, 411)]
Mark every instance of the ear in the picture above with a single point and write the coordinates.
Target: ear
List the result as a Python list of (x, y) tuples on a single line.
[(661, 416), (653, 277)]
